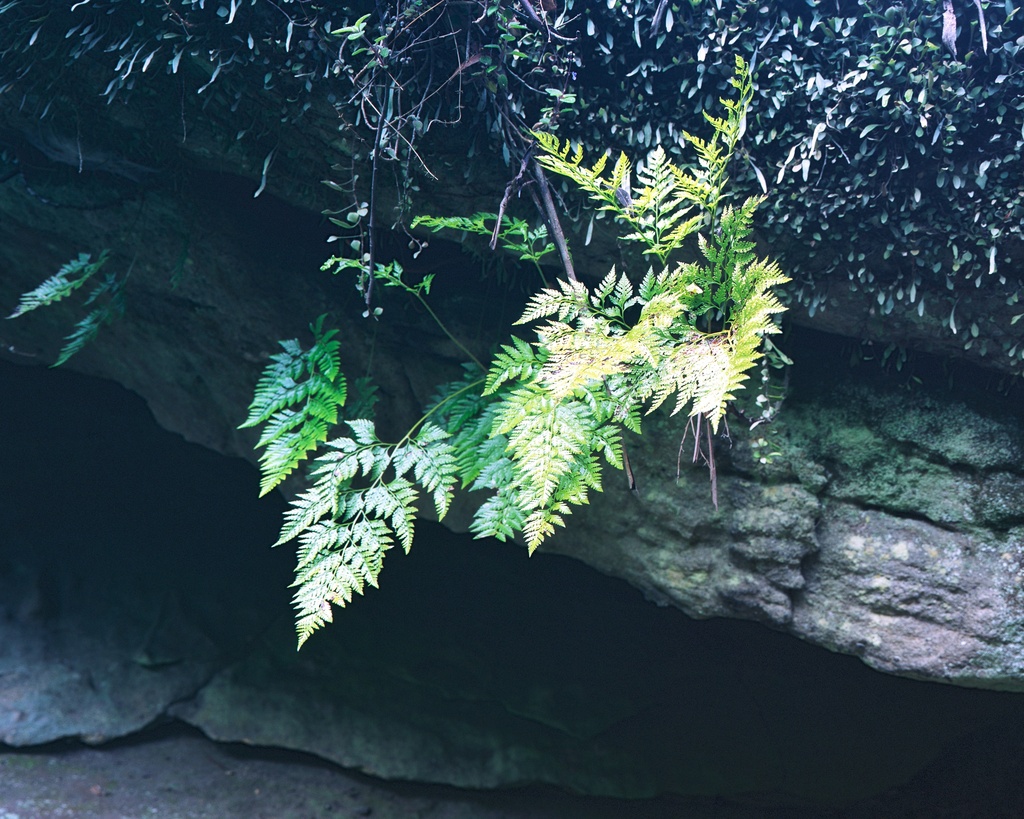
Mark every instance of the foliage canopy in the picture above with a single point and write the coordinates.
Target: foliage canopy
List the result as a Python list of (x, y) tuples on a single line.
[(535, 431)]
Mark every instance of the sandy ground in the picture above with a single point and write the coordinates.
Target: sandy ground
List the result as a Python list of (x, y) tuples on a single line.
[(176, 773)]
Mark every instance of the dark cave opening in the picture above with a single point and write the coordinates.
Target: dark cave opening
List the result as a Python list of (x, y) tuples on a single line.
[(98, 500)]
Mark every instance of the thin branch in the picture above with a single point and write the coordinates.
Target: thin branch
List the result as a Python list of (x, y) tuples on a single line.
[(371, 239), (659, 14), (695, 424), (514, 184), (542, 23), (551, 217)]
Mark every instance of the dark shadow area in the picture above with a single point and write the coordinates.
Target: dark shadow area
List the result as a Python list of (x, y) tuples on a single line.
[(101, 510)]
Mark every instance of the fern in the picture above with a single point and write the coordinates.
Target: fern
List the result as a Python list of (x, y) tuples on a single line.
[(598, 364), (110, 292), (515, 235), (297, 399), (107, 295), (537, 428), (362, 501), (63, 283)]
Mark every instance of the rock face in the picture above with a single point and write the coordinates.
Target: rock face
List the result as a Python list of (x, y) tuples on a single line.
[(152, 593), (890, 529), (889, 525)]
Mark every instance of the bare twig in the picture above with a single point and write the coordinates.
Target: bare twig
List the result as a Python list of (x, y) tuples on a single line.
[(659, 14), (371, 224), (630, 477), (511, 187), (696, 425), (542, 23), (551, 217)]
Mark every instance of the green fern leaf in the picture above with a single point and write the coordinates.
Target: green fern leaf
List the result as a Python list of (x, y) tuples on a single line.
[(499, 517), (362, 501), (567, 302), (88, 328), (318, 502), (540, 524), (515, 235), (544, 436), (281, 455), (517, 362), (297, 398), (63, 283)]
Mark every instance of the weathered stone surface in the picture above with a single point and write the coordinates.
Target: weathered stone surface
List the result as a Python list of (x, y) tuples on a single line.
[(913, 598), (89, 674), (890, 529), (152, 591), (192, 345)]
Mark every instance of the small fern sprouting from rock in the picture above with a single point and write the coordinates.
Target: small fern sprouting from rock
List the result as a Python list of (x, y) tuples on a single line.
[(603, 358)]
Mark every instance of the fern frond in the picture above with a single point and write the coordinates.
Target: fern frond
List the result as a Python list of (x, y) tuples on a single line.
[(493, 468), (555, 157), (499, 517), (517, 362), (281, 455), (515, 235), (88, 328), (544, 436), (567, 302), (320, 501), (467, 415), (280, 385), (540, 524), (577, 358), (362, 501), (393, 501), (63, 283), (331, 575), (434, 473), (297, 398)]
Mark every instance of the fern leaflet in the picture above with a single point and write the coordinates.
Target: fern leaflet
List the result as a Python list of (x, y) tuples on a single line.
[(63, 283), (363, 501), (515, 235), (297, 398)]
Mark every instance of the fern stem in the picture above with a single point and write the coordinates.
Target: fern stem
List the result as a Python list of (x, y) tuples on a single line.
[(412, 430), (445, 330)]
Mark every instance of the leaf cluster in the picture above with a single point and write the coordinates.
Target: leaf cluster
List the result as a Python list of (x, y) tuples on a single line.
[(362, 501), (106, 298), (603, 358), (297, 400), (530, 244), (671, 202), (536, 429)]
